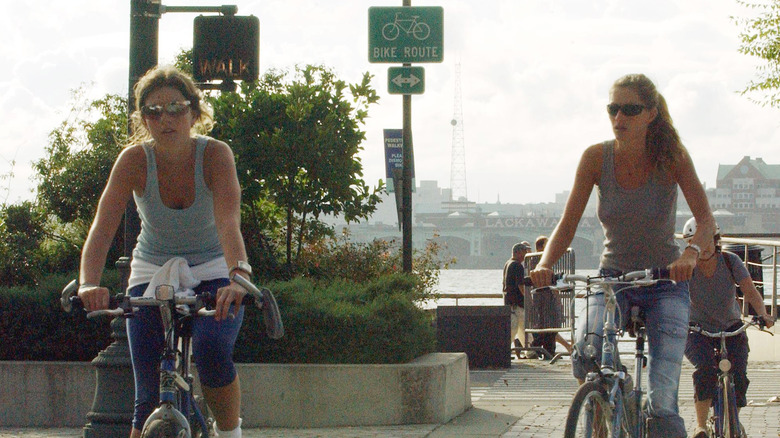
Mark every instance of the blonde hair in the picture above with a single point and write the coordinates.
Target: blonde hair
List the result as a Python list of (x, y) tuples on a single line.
[(662, 142), (168, 76)]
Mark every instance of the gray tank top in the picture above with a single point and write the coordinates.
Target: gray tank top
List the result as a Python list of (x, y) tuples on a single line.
[(166, 232), (638, 224)]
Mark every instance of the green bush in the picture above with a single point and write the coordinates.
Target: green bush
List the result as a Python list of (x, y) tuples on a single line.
[(342, 322), (33, 326), (339, 322)]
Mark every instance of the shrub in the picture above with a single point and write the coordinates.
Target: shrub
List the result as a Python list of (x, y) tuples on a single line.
[(336, 322), (34, 326), (343, 322)]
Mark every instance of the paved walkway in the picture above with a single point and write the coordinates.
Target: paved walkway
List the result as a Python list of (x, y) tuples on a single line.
[(531, 399)]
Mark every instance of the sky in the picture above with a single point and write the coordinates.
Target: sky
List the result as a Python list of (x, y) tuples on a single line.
[(534, 80)]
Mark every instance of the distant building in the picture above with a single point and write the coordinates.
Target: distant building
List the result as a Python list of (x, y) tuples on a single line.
[(751, 189)]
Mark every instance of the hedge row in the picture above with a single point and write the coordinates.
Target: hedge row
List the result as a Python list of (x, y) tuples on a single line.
[(341, 322)]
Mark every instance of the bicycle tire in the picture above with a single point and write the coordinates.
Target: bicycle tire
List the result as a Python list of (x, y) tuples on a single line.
[(591, 397), (730, 424), (162, 428)]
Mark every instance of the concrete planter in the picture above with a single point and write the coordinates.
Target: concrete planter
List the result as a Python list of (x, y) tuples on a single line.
[(431, 389)]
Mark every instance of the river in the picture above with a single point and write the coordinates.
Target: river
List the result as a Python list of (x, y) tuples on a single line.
[(489, 281)]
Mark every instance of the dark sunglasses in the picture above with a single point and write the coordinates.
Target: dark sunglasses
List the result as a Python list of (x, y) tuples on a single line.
[(172, 109), (628, 109)]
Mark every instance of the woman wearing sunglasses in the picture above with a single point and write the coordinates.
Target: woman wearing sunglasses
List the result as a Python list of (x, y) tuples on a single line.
[(188, 199), (637, 175)]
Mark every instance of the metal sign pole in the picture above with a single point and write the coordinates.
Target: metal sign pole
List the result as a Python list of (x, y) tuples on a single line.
[(407, 177)]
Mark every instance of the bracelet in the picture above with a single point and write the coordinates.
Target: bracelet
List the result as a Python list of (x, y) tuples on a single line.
[(694, 247), (88, 286)]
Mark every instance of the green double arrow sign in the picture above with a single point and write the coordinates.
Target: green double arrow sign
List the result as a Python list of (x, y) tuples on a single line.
[(406, 80)]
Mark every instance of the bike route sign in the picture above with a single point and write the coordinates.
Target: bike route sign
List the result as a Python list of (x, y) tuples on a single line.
[(405, 34), (405, 80)]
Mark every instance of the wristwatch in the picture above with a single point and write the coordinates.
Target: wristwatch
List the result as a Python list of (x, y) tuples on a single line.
[(694, 247), (241, 266)]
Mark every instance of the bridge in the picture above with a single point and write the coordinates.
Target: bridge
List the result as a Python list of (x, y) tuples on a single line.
[(484, 240)]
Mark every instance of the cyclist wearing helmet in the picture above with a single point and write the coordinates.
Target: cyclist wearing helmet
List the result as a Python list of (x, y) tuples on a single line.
[(714, 308)]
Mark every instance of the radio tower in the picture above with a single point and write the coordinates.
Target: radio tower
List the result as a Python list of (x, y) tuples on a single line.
[(458, 166)]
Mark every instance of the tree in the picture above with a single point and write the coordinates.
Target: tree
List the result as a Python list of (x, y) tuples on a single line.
[(761, 38), (296, 142), (78, 161), (22, 231)]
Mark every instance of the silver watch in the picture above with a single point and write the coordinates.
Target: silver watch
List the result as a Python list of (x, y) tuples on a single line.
[(243, 267)]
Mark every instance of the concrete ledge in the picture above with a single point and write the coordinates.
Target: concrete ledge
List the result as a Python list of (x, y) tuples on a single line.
[(434, 388), (50, 394)]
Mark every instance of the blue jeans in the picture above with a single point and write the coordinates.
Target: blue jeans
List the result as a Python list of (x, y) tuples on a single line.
[(212, 350), (666, 307)]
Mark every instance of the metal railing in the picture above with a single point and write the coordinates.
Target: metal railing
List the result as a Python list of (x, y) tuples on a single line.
[(751, 243), (767, 243)]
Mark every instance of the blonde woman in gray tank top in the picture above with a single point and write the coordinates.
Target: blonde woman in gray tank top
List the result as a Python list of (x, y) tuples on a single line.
[(637, 175), (188, 197)]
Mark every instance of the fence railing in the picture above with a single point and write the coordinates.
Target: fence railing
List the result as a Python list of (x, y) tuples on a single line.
[(759, 251), (565, 265), (753, 249)]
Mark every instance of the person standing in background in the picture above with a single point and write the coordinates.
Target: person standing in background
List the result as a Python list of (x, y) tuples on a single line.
[(513, 292)]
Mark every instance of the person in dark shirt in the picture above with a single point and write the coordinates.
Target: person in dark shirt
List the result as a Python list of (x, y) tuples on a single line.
[(513, 291)]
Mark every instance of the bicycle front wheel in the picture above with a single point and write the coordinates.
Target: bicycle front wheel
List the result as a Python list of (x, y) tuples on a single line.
[(590, 415), (729, 422)]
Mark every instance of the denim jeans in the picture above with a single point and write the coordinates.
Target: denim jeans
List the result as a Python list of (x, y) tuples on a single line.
[(666, 307)]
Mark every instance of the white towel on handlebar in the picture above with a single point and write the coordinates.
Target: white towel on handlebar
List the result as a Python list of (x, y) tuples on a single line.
[(177, 273)]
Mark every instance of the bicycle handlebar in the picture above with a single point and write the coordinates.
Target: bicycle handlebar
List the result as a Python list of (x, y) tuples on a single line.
[(645, 277), (754, 321), (122, 305)]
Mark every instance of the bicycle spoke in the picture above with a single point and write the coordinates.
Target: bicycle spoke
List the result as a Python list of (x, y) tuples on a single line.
[(590, 415)]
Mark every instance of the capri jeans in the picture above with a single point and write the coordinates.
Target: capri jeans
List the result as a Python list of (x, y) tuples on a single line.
[(212, 350), (666, 307), (700, 350)]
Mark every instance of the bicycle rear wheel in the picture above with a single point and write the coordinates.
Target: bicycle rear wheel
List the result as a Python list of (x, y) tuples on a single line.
[(590, 415)]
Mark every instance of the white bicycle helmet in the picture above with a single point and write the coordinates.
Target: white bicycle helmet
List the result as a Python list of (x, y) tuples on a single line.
[(689, 229)]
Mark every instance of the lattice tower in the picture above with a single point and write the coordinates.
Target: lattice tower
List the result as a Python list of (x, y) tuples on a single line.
[(458, 165)]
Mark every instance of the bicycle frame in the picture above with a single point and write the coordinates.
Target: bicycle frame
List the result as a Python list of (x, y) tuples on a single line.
[(176, 389), (621, 406), (724, 405)]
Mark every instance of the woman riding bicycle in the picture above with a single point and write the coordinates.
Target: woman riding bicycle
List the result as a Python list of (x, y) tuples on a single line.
[(637, 175), (714, 307), (188, 198)]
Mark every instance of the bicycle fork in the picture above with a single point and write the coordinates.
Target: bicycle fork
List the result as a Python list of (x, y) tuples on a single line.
[(724, 405)]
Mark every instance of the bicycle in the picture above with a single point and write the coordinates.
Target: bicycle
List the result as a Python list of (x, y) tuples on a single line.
[(725, 420), (608, 404), (419, 30), (180, 413)]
